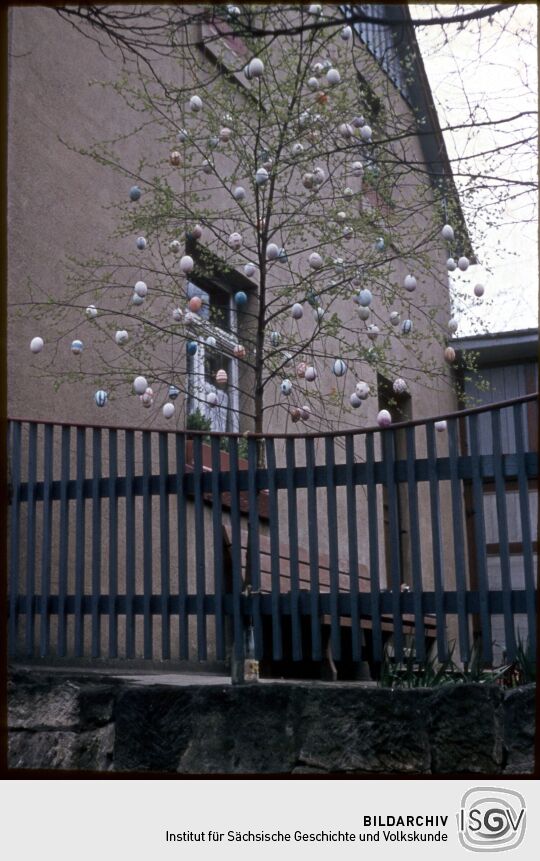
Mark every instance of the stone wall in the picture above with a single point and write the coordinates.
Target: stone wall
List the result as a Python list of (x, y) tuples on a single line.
[(106, 724)]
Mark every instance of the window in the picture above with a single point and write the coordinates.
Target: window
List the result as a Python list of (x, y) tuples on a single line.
[(380, 41), (214, 329)]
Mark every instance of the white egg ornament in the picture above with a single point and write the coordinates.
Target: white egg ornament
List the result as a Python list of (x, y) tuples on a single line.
[(272, 251), (254, 69), (354, 401), (333, 77), (275, 339), (450, 355), (141, 243), (174, 246), (168, 410), (101, 397), (211, 342), (136, 299), (346, 130), (195, 232), (186, 264), (346, 33), (409, 283), (447, 232), (318, 313), (286, 387), (121, 337), (76, 347), (479, 290), (440, 426), (316, 261), (319, 176), (362, 390), (315, 9), (364, 313), (140, 385), (463, 263), (339, 368), (239, 193), (249, 270), (384, 419), (451, 264), (141, 289), (212, 399), (174, 391), (91, 312), (261, 176), (36, 345), (311, 374), (357, 168), (308, 180), (394, 318), (177, 315), (195, 104), (453, 325), (313, 84), (366, 133), (297, 311), (373, 331)]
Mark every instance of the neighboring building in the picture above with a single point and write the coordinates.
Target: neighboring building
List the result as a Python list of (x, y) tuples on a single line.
[(507, 364)]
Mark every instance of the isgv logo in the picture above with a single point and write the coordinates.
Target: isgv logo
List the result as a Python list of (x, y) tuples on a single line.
[(491, 819)]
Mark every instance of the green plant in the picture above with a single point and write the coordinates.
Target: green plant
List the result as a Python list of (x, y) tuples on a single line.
[(412, 673), (196, 421)]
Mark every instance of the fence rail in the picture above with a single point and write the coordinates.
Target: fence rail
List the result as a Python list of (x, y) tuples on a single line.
[(128, 543)]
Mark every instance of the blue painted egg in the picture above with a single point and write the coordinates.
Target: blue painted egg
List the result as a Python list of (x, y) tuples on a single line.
[(141, 243), (406, 326), (365, 298), (134, 192), (191, 348), (77, 347), (240, 298), (101, 397)]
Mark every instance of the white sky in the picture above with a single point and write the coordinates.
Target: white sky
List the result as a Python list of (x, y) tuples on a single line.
[(490, 70)]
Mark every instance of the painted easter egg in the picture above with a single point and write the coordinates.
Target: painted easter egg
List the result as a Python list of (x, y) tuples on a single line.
[(77, 347), (384, 419), (101, 397)]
